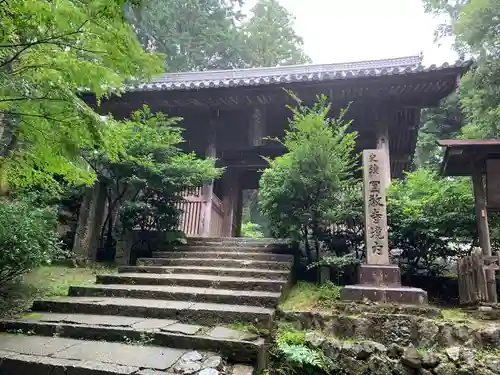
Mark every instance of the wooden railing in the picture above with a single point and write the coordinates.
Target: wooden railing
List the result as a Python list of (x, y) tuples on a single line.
[(192, 208), (472, 281), (191, 212)]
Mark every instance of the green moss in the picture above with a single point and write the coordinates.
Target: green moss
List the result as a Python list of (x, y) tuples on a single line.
[(248, 327), (306, 296), (47, 281)]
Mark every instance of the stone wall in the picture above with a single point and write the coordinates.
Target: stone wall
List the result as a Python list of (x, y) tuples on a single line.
[(393, 328), (369, 357)]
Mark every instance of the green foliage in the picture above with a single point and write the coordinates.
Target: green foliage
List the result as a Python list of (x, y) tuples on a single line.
[(31, 243), (193, 35), (300, 192), (146, 173), (306, 296), (48, 52), (251, 230), (270, 38), (213, 34), (295, 356), (430, 219)]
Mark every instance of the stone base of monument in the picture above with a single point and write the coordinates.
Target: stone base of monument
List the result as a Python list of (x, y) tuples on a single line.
[(382, 283)]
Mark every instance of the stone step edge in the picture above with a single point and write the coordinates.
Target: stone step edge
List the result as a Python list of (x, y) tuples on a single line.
[(243, 297), (201, 316), (276, 274), (220, 254), (272, 264), (186, 276), (234, 350), (228, 248)]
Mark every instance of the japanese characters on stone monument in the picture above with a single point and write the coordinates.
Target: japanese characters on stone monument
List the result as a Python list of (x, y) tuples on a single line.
[(376, 237)]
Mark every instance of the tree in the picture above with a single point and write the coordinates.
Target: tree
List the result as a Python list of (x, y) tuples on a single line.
[(431, 219), (300, 190), (144, 181), (475, 26), (270, 36), (194, 35), (443, 122), (48, 52)]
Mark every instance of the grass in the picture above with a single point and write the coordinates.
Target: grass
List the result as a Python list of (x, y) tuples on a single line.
[(46, 281), (307, 296)]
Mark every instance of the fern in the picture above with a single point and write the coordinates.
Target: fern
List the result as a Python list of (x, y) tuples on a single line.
[(301, 355)]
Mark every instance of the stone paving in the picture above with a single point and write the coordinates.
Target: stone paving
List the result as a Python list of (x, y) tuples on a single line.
[(201, 310)]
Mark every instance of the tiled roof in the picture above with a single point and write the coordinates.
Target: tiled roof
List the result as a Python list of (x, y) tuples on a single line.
[(290, 74)]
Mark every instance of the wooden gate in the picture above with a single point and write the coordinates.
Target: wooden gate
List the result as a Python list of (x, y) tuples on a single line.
[(472, 283)]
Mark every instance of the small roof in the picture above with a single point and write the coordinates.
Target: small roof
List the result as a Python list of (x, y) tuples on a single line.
[(290, 74), (462, 157)]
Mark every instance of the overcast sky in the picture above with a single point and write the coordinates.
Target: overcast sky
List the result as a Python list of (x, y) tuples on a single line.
[(351, 30)]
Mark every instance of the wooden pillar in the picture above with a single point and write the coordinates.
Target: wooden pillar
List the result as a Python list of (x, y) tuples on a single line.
[(383, 144), (483, 227), (239, 212), (208, 188), (230, 187)]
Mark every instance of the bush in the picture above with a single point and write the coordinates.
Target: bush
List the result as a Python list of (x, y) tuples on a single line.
[(431, 220), (251, 230), (301, 190), (27, 238)]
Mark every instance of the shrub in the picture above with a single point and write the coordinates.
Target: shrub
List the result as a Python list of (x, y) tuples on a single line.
[(431, 219), (300, 190), (251, 230), (27, 238)]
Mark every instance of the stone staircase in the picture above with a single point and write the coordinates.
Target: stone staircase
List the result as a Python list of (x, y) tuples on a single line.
[(205, 308)]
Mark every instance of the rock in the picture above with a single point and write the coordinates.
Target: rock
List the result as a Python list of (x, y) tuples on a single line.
[(209, 371), (379, 365), (400, 369), (428, 332), (411, 358), (423, 371), (445, 337), (192, 357), (366, 348), (242, 370), (467, 370), (453, 353), (349, 350), (467, 356), (186, 368), (353, 367), (445, 369), (213, 362), (430, 359), (395, 351), (332, 348), (314, 338), (462, 333), (485, 308), (492, 363), (397, 333)]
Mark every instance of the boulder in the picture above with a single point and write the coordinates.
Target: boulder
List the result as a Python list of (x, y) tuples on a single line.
[(379, 365), (332, 348), (315, 339), (411, 358), (352, 366), (430, 359), (453, 353), (446, 368), (395, 351), (428, 332), (492, 363)]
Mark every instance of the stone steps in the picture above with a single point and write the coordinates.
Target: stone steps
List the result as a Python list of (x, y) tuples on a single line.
[(34, 355), (185, 312), (193, 280), (223, 255), (201, 262), (229, 248), (176, 293), (235, 345), (173, 301), (237, 241), (219, 271)]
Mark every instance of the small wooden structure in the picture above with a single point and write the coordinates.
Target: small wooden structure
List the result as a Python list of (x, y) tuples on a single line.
[(478, 159), (472, 282)]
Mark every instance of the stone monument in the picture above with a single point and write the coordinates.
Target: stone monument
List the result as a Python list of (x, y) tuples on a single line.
[(379, 280)]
